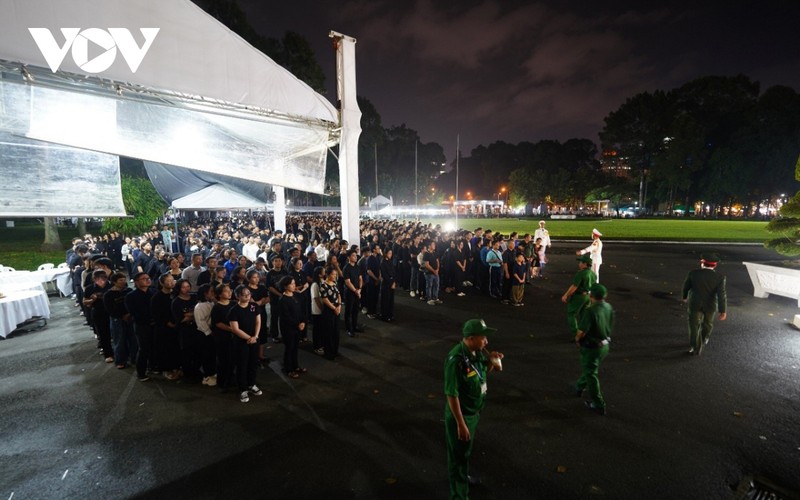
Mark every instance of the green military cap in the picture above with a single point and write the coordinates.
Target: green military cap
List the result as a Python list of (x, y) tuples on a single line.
[(598, 291), (476, 327), (585, 258)]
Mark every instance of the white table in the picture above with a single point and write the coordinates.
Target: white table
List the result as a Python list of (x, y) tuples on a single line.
[(19, 280), (58, 276), (20, 306)]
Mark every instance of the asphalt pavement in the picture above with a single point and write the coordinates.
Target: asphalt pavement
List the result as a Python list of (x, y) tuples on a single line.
[(370, 425)]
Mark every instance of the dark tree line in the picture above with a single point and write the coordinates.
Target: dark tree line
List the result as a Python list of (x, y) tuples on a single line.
[(715, 139)]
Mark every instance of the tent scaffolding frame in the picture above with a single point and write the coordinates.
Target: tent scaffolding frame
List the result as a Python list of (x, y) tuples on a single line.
[(71, 82)]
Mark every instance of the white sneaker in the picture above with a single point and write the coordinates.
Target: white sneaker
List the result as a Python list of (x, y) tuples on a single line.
[(461, 294), (210, 381), (412, 293), (255, 391), (431, 302), (244, 397), (438, 301)]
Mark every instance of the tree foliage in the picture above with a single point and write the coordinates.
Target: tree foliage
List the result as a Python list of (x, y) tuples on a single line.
[(713, 139), (143, 205), (293, 51), (788, 225)]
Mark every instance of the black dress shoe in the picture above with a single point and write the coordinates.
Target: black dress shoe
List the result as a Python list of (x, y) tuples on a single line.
[(578, 392), (359, 329), (473, 480), (351, 334), (600, 410)]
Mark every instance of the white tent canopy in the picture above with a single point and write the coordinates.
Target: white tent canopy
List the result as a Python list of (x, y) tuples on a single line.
[(200, 96), (218, 197), (192, 53)]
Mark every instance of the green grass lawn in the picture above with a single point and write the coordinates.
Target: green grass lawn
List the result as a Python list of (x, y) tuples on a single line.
[(19, 246), (627, 229)]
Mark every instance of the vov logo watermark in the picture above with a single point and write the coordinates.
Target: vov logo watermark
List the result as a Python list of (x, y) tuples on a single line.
[(108, 40)]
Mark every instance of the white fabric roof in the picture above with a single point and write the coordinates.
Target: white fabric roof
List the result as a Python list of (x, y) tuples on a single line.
[(200, 97), (192, 52), (218, 197)]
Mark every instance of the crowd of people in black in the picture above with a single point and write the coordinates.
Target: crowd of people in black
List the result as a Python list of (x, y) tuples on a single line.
[(203, 305)]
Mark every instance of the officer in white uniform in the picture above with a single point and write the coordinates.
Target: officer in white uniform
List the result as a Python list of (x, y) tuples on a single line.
[(596, 252)]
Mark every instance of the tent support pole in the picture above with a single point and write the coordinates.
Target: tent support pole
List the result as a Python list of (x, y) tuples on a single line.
[(350, 118)]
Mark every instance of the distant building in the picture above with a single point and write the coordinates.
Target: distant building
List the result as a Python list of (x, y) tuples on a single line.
[(612, 163)]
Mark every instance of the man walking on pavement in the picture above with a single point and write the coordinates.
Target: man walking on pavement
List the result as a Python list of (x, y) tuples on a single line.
[(704, 291), (593, 337), (577, 295), (465, 371)]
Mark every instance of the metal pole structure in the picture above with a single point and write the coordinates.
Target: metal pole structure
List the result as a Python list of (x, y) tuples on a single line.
[(175, 220), (455, 200), (350, 117)]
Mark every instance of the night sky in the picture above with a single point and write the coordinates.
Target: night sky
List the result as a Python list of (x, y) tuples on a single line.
[(514, 71)]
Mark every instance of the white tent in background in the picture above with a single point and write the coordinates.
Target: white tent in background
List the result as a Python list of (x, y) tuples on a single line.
[(379, 202), (165, 82), (218, 197)]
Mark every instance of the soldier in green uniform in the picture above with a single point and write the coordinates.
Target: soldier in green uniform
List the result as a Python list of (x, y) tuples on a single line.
[(577, 295), (594, 334), (704, 291), (465, 372)]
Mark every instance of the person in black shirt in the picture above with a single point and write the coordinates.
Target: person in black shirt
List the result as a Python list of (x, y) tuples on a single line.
[(302, 292), (122, 337), (223, 336), (245, 324), (388, 283), (353, 283), (191, 345), (93, 300), (260, 296), (274, 277), (292, 326), (138, 305), (165, 333), (209, 273)]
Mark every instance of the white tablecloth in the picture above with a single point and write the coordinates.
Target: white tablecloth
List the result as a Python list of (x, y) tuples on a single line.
[(19, 280), (18, 307), (61, 277)]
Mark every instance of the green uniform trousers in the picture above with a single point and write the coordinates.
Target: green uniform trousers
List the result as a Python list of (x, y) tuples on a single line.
[(458, 453), (590, 362), (575, 305), (700, 326)]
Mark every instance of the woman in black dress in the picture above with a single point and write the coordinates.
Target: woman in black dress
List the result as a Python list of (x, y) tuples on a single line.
[(292, 324), (331, 309), (388, 284)]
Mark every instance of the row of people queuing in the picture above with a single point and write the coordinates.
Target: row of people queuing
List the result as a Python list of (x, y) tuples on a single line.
[(414, 256), (214, 336)]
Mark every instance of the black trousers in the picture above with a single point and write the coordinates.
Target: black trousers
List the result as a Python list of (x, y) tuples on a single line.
[(373, 291), (144, 334), (246, 360), (387, 302), (317, 332), (330, 336), (223, 345), (291, 340), (352, 304)]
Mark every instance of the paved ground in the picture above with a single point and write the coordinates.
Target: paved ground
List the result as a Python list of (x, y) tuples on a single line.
[(370, 425)]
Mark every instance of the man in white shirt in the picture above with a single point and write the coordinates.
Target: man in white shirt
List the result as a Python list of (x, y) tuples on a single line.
[(192, 272), (596, 252), (542, 233), (250, 249)]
